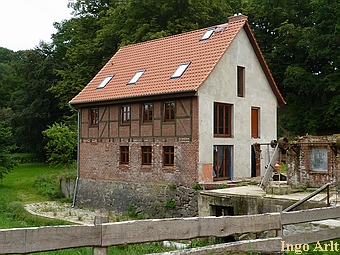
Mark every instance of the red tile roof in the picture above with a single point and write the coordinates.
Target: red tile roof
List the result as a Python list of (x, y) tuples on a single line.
[(160, 59)]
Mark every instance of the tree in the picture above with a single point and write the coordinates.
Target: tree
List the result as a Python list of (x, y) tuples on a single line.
[(62, 144), (6, 146), (300, 41)]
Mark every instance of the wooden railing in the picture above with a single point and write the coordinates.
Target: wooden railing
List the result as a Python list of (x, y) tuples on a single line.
[(27, 240)]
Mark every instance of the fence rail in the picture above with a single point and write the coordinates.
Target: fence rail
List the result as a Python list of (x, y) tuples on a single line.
[(27, 240)]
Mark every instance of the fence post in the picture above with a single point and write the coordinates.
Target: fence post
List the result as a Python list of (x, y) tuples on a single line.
[(100, 250)]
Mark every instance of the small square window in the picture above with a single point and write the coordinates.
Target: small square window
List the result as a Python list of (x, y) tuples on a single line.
[(180, 70), (94, 118), (207, 34), (146, 155), (168, 155), (106, 80), (124, 155), (136, 77), (126, 113)]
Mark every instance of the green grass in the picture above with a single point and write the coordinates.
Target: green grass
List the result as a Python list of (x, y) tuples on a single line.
[(17, 189)]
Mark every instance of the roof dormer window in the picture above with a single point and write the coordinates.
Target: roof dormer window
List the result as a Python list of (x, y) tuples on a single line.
[(136, 77), (208, 34), (105, 82), (180, 70)]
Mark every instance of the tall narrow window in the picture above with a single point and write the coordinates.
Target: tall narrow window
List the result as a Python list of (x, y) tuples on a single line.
[(146, 155), (222, 120), (169, 111), (124, 155), (168, 155), (147, 112), (94, 116), (255, 115), (240, 81), (223, 162), (126, 114)]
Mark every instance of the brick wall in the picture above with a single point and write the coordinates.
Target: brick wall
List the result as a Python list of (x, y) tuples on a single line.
[(300, 156), (100, 145)]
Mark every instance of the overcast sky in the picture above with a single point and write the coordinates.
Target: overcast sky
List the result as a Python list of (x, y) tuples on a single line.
[(24, 23)]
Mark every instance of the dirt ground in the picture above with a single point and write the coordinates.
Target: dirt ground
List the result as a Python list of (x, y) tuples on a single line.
[(64, 211)]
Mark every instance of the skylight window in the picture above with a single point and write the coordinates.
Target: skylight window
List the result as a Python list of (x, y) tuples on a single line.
[(136, 77), (207, 34), (180, 70), (105, 82)]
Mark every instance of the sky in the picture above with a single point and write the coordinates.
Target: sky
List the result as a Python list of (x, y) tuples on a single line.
[(24, 23)]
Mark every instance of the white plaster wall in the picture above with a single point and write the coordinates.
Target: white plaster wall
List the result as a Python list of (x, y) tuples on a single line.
[(221, 86)]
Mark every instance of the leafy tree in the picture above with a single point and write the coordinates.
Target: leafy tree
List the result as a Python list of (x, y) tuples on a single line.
[(33, 106), (6, 146), (62, 144), (300, 40)]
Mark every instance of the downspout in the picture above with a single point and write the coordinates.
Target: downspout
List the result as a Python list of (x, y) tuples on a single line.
[(78, 148)]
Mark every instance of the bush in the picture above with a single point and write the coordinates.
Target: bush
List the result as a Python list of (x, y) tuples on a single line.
[(48, 186)]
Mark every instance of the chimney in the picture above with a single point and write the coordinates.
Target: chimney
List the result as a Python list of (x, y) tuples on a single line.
[(237, 17)]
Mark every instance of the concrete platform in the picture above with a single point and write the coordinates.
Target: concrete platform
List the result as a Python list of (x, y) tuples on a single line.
[(252, 199)]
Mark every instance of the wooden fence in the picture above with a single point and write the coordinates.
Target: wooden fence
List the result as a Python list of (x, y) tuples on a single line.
[(101, 236)]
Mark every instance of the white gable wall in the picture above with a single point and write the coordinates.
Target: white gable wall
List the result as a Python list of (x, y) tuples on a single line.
[(221, 86)]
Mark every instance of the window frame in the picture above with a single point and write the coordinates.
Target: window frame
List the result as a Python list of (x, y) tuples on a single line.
[(227, 124), (146, 155), (147, 112), (169, 111), (180, 70), (126, 114), (255, 122), (136, 77), (94, 117), (240, 81), (106, 80), (124, 155), (168, 156)]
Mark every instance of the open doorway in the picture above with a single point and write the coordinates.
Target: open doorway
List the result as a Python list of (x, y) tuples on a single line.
[(223, 162)]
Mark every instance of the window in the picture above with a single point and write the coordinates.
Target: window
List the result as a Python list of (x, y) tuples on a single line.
[(255, 115), (207, 34), (136, 77), (240, 81), (124, 155), (180, 70), (146, 155), (169, 111), (105, 82), (147, 112), (222, 120), (168, 155), (94, 116), (318, 159), (126, 114)]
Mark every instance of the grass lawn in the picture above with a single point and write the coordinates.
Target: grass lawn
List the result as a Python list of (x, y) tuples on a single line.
[(16, 189)]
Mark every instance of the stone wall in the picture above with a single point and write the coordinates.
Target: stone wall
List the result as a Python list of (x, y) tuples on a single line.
[(149, 199)]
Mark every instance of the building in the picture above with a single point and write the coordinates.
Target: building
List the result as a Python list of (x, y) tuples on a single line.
[(175, 111)]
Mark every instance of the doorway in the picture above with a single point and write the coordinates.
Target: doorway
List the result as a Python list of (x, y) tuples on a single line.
[(223, 162)]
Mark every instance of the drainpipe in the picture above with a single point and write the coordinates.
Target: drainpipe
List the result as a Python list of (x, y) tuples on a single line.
[(78, 148)]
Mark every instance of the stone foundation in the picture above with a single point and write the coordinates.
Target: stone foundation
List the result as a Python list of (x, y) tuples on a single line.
[(148, 199)]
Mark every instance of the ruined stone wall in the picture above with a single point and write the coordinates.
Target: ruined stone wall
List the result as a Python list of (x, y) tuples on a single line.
[(149, 199), (312, 161)]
